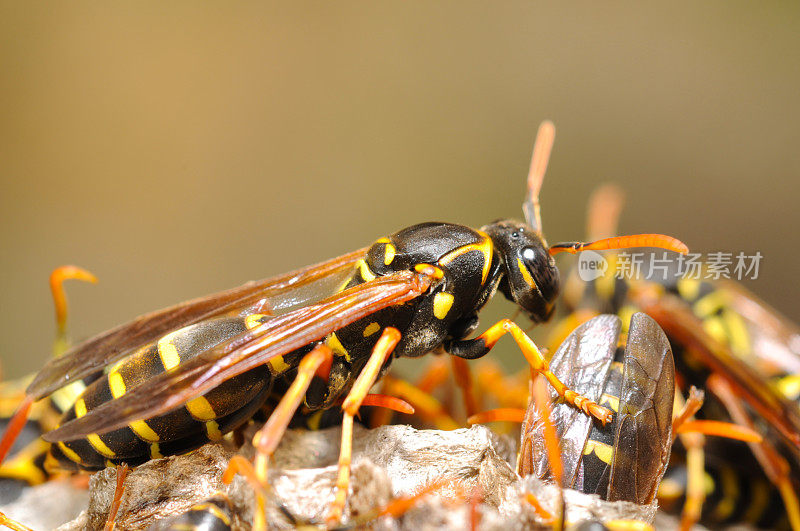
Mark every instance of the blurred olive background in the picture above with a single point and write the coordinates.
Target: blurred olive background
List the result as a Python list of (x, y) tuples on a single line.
[(176, 149)]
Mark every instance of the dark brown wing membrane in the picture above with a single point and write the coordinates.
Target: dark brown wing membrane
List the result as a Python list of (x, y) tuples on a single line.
[(775, 340), (644, 424), (105, 348), (255, 347), (581, 362), (679, 322)]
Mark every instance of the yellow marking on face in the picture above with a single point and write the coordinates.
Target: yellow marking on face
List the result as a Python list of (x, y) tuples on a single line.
[(116, 384), (212, 429), (155, 451), (144, 431), (388, 254), (485, 247), (336, 346), (610, 401), (689, 288), (603, 451), (98, 444), (366, 274), (252, 321), (278, 364), (371, 329), (442, 302), (71, 454), (383, 240), (80, 408), (526, 275), (168, 352), (200, 408)]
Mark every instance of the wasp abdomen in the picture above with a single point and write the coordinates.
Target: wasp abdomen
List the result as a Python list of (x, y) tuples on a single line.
[(205, 418)]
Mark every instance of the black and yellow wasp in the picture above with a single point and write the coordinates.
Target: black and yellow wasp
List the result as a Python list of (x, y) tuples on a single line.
[(716, 328), (172, 380), (625, 459)]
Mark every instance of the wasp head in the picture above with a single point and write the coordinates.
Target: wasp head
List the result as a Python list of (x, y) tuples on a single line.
[(531, 278)]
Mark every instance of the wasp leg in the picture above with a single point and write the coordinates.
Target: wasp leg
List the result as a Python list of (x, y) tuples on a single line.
[(434, 375), (12, 524), (425, 404), (775, 466), (122, 473), (501, 414), (475, 348), (266, 440), (463, 377), (15, 426), (366, 379)]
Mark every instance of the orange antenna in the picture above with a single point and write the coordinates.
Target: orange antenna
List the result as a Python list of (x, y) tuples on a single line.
[(541, 156), (605, 206), (57, 278), (622, 242)]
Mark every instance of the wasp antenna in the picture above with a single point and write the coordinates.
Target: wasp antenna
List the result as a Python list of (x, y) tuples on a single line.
[(660, 241), (541, 156), (57, 278), (605, 206)]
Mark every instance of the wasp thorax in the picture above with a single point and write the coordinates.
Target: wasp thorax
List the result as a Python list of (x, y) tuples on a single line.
[(531, 278)]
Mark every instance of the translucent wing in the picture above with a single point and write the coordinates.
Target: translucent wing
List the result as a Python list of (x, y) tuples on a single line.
[(581, 362), (782, 415), (275, 337), (643, 439), (774, 339), (264, 296)]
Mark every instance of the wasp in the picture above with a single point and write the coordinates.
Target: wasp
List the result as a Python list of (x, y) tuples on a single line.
[(626, 458), (172, 380), (721, 334)]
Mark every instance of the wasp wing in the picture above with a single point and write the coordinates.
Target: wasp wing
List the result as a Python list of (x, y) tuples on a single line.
[(774, 339), (245, 351), (582, 363), (643, 440), (262, 296), (782, 415)]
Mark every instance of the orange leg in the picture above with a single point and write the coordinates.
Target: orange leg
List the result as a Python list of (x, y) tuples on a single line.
[(695, 456), (435, 374), (15, 426), (122, 473), (473, 348), (427, 406), (775, 466), (463, 377), (366, 379), (12, 524), (506, 414), (266, 440)]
